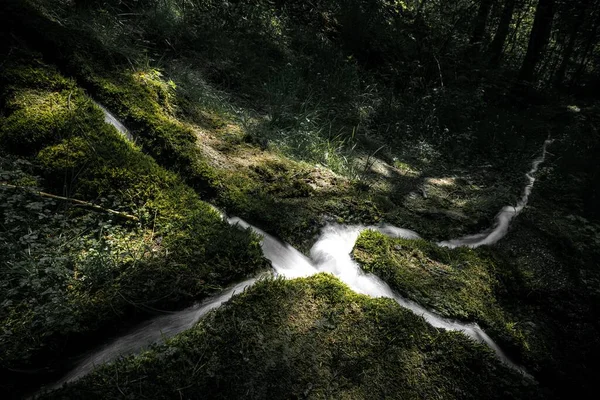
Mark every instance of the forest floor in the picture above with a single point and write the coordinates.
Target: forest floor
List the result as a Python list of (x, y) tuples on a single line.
[(74, 275)]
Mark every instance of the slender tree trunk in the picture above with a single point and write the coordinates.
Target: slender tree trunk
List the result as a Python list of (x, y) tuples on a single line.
[(497, 44), (420, 7), (481, 22), (538, 40), (550, 58), (591, 42), (576, 25), (559, 76), (513, 37)]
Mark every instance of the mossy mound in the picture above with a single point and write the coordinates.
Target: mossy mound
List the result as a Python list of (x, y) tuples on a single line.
[(308, 338), (144, 103), (68, 273), (457, 283)]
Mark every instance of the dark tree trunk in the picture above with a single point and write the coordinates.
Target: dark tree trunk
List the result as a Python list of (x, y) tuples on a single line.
[(549, 61), (512, 42), (421, 5), (559, 76), (540, 34), (497, 44), (481, 22), (591, 41), (576, 24)]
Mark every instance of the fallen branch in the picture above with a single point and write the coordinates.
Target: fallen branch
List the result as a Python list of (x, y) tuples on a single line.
[(72, 200), (439, 70)]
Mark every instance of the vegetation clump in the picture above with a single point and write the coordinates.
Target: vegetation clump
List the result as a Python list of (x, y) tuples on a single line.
[(290, 114)]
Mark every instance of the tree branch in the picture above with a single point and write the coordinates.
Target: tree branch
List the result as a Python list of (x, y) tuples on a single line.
[(85, 204)]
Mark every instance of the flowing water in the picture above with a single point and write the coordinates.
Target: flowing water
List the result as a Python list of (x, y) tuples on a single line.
[(150, 332), (503, 218), (331, 254), (112, 120)]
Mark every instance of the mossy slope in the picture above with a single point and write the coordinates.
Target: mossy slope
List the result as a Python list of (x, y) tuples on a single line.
[(308, 338), (507, 292), (68, 272)]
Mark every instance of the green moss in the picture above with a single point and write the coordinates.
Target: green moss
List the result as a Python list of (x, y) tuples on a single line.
[(145, 104), (308, 338), (68, 155), (457, 283), (31, 73), (39, 118)]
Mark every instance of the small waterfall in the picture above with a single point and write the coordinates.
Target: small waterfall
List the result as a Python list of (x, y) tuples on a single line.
[(332, 253), (110, 119), (148, 333), (504, 217)]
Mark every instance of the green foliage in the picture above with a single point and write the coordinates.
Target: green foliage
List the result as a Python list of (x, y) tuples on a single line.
[(325, 82)]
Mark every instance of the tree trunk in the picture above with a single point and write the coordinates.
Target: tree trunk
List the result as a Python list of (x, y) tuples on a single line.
[(481, 22), (591, 42), (420, 7), (550, 58), (576, 24), (502, 32), (512, 41), (559, 76), (540, 35)]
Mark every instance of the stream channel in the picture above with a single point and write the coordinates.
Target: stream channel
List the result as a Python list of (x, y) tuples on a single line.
[(331, 254)]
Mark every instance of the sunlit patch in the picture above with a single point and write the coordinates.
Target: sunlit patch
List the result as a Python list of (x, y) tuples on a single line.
[(405, 169), (447, 181)]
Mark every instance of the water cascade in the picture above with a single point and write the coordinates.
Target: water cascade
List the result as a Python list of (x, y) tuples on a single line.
[(331, 254), (149, 332), (112, 120)]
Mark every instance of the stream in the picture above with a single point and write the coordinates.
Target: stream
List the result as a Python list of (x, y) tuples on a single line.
[(331, 254)]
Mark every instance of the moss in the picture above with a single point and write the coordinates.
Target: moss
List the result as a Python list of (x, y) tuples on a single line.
[(40, 118), (70, 154), (308, 338), (32, 73), (457, 283), (144, 102)]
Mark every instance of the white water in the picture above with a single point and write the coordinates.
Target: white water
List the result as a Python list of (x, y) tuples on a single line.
[(503, 218), (150, 332), (331, 253), (112, 120)]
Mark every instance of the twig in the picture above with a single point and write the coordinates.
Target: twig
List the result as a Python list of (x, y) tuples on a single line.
[(439, 70), (367, 166), (76, 201)]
